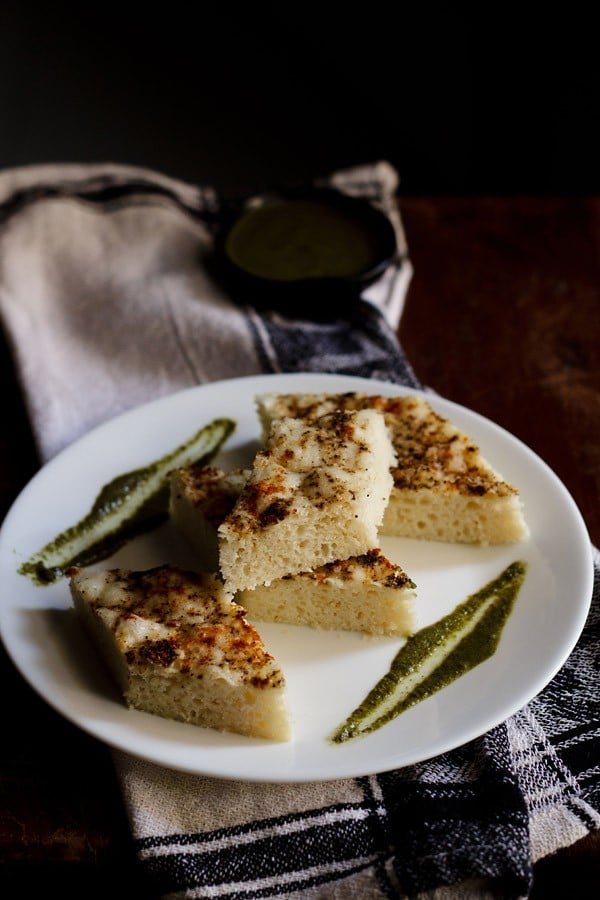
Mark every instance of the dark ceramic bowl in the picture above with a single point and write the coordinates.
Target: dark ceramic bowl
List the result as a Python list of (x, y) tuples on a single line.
[(307, 252)]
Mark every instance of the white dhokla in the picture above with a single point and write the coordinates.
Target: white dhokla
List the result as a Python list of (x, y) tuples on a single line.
[(180, 648), (200, 498), (444, 489), (317, 493), (363, 593)]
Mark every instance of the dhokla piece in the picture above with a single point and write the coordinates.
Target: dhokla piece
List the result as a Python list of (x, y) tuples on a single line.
[(365, 593), (179, 647), (316, 493), (444, 489), (201, 497)]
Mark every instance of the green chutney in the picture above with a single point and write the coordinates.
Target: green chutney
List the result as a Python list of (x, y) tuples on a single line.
[(129, 505), (438, 654), (291, 240)]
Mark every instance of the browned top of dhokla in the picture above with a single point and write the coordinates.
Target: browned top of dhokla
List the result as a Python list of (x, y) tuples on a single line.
[(371, 568), (311, 465), (431, 452), (210, 488), (184, 621)]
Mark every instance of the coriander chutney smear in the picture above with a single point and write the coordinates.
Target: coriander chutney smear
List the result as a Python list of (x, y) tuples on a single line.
[(437, 655), (129, 505)]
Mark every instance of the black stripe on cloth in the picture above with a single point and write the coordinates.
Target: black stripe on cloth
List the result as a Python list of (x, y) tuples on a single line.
[(382, 869), (109, 192), (460, 816), (362, 344), (273, 856), (584, 817), (569, 709)]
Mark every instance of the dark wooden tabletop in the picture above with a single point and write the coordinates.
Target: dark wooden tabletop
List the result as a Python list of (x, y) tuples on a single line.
[(502, 316)]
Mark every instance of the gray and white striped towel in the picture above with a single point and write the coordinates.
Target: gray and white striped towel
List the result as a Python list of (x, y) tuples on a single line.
[(106, 302)]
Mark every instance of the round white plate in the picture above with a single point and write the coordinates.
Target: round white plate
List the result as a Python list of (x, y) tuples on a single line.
[(328, 673)]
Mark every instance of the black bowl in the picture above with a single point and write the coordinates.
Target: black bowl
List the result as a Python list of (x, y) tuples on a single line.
[(307, 252)]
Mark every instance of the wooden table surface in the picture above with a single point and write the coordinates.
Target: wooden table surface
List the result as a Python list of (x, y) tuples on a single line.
[(502, 316)]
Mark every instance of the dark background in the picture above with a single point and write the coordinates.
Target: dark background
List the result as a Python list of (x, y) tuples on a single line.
[(245, 96)]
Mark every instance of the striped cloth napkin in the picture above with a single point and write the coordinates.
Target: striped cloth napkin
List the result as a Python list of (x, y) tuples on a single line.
[(107, 302)]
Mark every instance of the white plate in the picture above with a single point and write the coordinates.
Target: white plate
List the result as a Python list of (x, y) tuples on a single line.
[(328, 672)]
